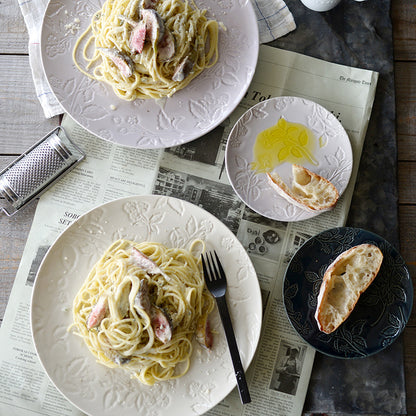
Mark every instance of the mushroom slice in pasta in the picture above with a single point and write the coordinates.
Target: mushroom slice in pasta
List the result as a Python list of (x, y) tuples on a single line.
[(116, 357), (120, 60), (142, 299), (160, 321), (203, 332), (166, 47), (121, 299), (149, 4), (183, 69)]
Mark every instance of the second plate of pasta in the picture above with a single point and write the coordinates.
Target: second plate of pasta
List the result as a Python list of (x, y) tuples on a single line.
[(99, 371), (149, 73)]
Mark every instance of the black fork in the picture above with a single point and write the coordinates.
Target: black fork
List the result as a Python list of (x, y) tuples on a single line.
[(217, 284)]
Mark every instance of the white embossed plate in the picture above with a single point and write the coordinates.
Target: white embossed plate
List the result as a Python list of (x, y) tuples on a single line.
[(333, 154), (98, 390), (187, 115)]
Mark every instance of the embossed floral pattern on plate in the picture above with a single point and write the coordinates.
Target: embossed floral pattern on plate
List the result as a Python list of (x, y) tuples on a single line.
[(151, 124), (334, 154), (381, 312), (94, 388)]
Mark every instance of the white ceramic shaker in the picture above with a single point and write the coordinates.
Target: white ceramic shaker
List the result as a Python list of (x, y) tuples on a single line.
[(322, 5)]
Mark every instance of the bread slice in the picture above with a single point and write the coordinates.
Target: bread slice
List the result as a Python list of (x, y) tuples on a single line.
[(309, 190), (346, 278)]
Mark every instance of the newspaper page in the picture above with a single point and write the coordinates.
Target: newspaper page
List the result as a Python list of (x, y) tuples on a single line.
[(279, 374)]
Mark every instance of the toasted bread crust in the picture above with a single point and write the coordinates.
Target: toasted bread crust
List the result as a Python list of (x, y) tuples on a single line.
[(309, 191), (345, 279)]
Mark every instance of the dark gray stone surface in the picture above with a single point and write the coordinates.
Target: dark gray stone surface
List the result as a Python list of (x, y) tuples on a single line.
[(359, 34)]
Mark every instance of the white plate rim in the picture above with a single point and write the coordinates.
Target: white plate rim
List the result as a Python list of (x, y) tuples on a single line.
[(236, 297)]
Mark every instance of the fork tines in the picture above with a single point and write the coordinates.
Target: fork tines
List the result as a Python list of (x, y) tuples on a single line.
[(212, 268), (214, 274)]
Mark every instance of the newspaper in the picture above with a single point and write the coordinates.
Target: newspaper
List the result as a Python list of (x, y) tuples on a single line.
[(279, 374)]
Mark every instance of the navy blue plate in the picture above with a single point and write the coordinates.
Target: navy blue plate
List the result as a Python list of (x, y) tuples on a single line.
[(381, 312)]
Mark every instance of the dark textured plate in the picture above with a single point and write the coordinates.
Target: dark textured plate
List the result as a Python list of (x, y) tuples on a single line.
[(381, 312)]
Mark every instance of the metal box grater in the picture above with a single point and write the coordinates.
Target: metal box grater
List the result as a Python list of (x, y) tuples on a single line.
[(36, 169)]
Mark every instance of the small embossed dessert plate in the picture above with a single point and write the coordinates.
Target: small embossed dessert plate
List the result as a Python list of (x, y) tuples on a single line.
[(381, 312), (99, 390), (150, 124), (327, 152)]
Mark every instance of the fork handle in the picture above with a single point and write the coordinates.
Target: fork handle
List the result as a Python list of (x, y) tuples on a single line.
[(232, 345)]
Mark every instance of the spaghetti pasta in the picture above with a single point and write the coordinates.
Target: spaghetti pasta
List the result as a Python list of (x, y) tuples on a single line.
[(140, 308), (147, 48)]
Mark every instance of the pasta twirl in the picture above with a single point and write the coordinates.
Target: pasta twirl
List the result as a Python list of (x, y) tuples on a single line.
[(140, 308), (147, 48)]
